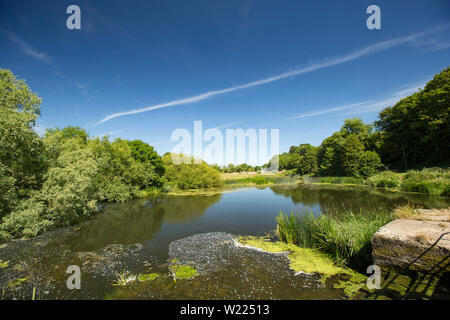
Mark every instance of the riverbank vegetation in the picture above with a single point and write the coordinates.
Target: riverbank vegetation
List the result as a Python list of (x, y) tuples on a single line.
[(434, 181), (61, 177), (345, 236), (410, 137)]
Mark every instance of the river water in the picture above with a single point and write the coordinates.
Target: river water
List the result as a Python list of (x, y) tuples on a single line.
[(134, 237)]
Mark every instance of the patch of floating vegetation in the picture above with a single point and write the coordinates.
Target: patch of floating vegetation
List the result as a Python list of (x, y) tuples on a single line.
[(15, 283), (306, 260), (182, 272), (148, 276), (124, 278), (3, 264)]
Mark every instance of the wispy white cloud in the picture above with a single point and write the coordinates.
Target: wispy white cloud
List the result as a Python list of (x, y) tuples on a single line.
[(366, 106), (389, 100), (26, 48), (381, 46), (324, 111)]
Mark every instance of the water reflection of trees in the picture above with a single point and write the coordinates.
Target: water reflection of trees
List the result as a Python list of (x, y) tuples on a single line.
[(138, 220), (186, 208), (354, 199)]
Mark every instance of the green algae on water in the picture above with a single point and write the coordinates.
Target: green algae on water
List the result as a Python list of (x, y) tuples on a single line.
[(309, 261), (147, 277), (183, 272), (3, 264)]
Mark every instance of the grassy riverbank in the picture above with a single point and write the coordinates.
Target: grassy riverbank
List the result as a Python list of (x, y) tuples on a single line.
[(434, 181), (345, 236)]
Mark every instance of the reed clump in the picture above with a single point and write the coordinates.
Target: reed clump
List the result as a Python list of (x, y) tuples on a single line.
[(345, 236)]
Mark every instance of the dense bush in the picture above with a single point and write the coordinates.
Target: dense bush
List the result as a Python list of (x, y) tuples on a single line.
[(431, 180), (385, 179), (59, 178), (185, 176), (120, 176), (69, 191), (26, 220)]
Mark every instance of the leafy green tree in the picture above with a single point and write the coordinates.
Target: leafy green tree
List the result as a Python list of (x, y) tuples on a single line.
[(69, 189), (185, 176), (20, 146), (118, 178), (69, 132), (330, 155), (308, 162), (351, 154), (416, 130), (16, 95), (369, 164), (143, 152), (326, 159), (8, 194)]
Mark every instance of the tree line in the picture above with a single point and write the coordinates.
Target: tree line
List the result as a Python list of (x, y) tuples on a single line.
[(61, 177), (412, 134)]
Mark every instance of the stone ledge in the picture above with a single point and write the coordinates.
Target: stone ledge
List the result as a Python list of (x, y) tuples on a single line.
[(401, 241)]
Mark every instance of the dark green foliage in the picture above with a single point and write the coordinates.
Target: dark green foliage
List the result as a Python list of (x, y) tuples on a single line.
[(350, 151), (243, 167), (385, 179), (189, 175), (120, 176), (416, 130), (59, 178), (431, 180), (144, 153), (302, 159)]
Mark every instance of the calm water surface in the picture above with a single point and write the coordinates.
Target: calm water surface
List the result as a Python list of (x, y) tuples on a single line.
[(135, 236)]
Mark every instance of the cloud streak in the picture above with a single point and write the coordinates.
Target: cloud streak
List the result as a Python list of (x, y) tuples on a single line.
[(27, 49), (334, 109), (365, 106), (381, 46)]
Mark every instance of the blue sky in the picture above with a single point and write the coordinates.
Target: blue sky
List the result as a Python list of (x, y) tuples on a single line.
[(141, 69)]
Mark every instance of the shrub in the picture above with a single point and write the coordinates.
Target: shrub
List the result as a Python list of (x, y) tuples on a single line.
[(385, 179), (190, 175), (25, 221), (430, 180), (8, 196), (69, 191)]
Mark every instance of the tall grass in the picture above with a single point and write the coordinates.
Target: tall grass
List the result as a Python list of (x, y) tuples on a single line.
[(431, 180), (434, 181), (339, 180), (346, 236), (385, 179), (249, 180)]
